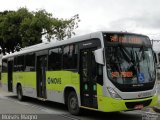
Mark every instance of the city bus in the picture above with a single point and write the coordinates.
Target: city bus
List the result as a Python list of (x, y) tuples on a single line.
[(103, 71)]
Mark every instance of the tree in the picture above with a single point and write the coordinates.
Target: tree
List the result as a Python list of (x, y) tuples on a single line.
[(26, 28), (63, 28), (8, 31)]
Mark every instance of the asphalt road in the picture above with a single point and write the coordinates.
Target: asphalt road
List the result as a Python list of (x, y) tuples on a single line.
[(33, 109)]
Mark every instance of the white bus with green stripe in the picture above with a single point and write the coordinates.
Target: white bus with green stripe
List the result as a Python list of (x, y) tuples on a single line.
[(103, 71)]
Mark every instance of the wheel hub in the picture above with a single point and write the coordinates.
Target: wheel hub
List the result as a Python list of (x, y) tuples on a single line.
[(73, 103)]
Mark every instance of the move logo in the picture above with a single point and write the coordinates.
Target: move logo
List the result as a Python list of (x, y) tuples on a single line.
[(54, 80)]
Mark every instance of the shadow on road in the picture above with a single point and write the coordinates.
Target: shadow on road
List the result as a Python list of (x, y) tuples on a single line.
[(48, 104), (95, 115), (86, 114)]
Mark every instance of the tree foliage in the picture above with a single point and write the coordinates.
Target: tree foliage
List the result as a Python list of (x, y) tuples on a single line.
[(26, 28)]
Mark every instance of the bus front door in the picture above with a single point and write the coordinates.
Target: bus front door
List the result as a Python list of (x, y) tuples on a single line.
[(88, 78), (10, 78), (41, 76)]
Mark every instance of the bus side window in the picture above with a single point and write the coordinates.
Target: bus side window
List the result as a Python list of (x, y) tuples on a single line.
[(15, 64), (30, 62), (100, 70), (97, 71), (4, 65), (100, 74), (20, 63), (70, 57), (55, 58)]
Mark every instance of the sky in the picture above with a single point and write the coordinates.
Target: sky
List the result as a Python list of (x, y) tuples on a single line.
[(138, 16)]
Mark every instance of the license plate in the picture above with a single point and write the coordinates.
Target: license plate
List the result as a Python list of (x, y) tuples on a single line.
[(139, 106)]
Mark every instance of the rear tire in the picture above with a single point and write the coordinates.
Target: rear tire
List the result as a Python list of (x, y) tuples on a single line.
[(19, 93), (73, 106)]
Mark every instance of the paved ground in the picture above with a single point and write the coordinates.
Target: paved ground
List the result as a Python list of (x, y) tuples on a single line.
[(10, 107)]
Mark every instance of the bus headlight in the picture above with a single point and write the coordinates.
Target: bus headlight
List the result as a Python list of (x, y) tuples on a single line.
[(113, 93)]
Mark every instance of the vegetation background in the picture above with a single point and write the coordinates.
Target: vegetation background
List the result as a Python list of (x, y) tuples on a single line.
[(24, 28)]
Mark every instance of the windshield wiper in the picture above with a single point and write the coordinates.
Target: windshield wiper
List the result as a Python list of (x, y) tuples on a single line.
[(142, 54), (126, 53)]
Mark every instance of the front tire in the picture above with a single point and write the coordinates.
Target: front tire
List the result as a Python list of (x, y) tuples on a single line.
[(19, 93), (72, 104)]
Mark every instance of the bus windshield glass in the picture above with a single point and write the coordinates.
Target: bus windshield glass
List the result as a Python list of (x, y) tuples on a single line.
[(130, 62)]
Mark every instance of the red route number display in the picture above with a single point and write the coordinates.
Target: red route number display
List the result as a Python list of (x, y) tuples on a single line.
[(122, 74)]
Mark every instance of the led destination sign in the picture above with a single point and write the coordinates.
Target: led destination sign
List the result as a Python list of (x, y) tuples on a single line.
[(124, 39), (127, 38)]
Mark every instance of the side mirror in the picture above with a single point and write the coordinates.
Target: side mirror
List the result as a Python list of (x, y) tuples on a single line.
[(158, 66), (157, 59), (99, 56)]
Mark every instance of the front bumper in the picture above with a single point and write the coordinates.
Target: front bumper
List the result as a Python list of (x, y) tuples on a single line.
[(108, 104)]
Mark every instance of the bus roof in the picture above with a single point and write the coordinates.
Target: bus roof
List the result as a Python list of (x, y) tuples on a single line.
[(43, 46)]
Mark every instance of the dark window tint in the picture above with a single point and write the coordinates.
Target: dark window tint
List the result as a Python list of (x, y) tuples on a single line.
[(4, 65), (30, 62), (15, 64), (55, 59), (70, 57), (19, 63)]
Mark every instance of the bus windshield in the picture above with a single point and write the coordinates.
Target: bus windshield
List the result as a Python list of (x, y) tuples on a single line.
[(130, 67)]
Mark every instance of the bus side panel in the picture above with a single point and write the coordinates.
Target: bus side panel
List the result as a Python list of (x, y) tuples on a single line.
[(4, 81), (99, 97), (30, 84), (56, 81), (27, 81)]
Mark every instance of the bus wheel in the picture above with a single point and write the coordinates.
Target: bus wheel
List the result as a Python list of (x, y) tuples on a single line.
[(19, 93), (73, 106)]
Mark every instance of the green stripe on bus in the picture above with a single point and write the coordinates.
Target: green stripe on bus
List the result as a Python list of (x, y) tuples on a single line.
[(57, 80), (4, 78), (27, 79)]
